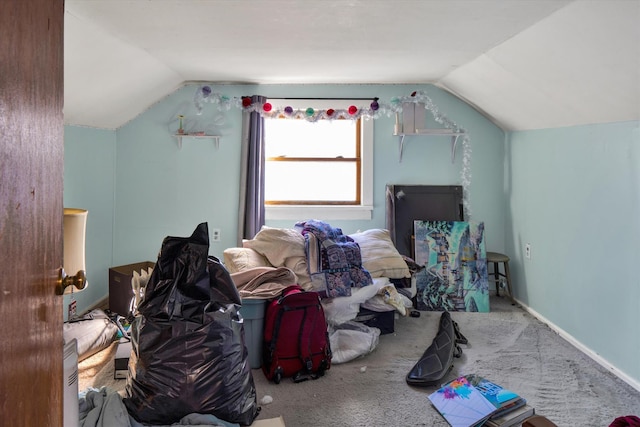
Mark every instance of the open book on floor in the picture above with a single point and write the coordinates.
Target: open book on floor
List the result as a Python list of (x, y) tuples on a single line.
[(471, 400), (512, 418), (506, 401), (461, 404), (517, 404), (499, 396)]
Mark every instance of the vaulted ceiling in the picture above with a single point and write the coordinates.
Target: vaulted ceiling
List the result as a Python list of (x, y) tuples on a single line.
[(525, 64)]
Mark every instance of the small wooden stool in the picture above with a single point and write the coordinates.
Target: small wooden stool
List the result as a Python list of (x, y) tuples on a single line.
[(496, 259)]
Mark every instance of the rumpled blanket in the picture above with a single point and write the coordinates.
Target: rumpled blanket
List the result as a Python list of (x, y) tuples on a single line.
[(263, 282), (334, 259), (104, 408), (351, 340)]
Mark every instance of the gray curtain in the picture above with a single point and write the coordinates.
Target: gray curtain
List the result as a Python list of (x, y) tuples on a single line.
[(251, 209)]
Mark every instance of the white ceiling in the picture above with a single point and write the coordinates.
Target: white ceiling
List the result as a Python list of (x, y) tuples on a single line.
[(525, 64)]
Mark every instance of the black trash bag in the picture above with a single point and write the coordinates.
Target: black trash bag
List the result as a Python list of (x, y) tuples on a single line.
[(188, 345)]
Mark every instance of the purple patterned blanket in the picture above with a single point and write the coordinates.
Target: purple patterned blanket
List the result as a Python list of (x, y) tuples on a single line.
[(333, 258)]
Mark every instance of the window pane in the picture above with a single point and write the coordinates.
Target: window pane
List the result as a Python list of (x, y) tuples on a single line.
[(300, 138), (305, 181)]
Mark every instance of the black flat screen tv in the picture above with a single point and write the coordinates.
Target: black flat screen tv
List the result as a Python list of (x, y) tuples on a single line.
[(407, 203)]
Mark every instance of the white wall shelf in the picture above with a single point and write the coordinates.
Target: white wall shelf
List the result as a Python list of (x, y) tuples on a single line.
[(431, 132), (181, 136)]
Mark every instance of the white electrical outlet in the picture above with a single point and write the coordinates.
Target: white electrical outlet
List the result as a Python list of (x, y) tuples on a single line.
[(527, 251), (215, 235)]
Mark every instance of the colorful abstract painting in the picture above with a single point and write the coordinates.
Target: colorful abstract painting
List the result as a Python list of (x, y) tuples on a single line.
[(455, 260)]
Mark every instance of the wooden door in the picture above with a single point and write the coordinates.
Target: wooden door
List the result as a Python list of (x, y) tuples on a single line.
[(31, 170)]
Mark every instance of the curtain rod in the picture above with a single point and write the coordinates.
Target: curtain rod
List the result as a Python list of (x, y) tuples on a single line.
[(331, 98)]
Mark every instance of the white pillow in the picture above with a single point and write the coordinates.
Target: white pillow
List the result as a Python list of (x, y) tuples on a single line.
[(379, 256), (277, 244), (241, 259)]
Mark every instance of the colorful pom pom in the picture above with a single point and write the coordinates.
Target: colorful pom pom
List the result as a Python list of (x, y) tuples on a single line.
[(206, 91), (246, 102), (266, 107), (375, 105), (309, 111), (288, 110), (330, 112), (353, 109)]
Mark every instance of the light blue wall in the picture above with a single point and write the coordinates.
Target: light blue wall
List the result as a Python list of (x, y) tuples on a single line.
[(89, 165), (574, 195), (162, 190)]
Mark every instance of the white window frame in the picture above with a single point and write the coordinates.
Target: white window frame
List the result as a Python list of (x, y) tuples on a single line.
[(332, 212)]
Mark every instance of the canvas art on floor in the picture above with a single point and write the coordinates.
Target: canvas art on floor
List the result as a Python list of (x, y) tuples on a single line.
[(455, 260)]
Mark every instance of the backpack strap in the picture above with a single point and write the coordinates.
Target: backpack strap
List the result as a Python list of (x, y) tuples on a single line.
[(309, 320), (460, 339)]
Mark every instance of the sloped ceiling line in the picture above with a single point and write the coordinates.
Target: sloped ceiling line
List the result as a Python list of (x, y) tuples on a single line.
[(529, 64)]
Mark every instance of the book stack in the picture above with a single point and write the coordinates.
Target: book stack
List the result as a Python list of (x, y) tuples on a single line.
[(474, 401)]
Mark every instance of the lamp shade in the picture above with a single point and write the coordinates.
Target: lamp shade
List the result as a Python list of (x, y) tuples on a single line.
[(75, 226)]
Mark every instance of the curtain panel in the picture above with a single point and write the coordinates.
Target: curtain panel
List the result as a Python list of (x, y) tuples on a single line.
[(251, 211)]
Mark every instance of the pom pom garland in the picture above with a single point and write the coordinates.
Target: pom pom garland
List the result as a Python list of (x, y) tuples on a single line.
[(376, 109)]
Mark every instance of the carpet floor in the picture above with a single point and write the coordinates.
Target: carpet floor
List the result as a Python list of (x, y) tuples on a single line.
[(507, 346)]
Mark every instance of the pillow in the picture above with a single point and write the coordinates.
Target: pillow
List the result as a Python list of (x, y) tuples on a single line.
[(277, 244), (241, 259), (282, 247), (379, 256)]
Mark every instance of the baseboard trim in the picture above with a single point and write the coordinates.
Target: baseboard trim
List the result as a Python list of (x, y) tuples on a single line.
[(586, 350)]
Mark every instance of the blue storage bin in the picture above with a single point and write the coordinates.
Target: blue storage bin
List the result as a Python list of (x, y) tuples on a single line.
[(252, 311)]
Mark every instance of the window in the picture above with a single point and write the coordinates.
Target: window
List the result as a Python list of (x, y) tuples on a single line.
[(326, 151), (320, 169)]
